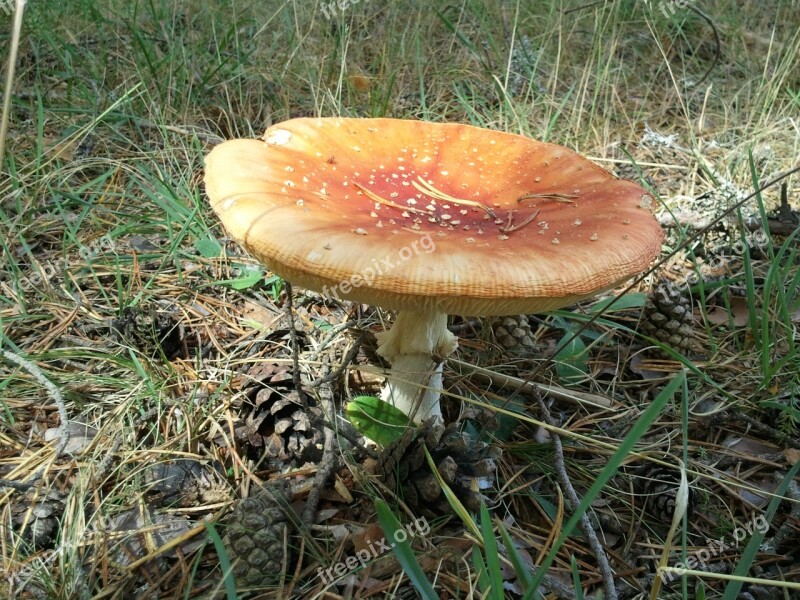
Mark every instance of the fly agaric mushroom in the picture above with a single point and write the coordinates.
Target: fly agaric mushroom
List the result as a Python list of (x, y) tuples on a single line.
[(429, 219)]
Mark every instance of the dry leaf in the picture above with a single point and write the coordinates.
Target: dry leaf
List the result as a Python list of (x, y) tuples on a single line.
[(360, 83), (792, 455), (738, 315), (748, 446), (80, 436)]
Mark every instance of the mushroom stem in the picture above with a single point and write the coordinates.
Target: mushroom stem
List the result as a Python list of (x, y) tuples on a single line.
[(415, 346)]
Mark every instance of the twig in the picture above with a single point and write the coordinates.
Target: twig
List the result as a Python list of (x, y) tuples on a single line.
[(20, 486), (295, 347), (717, 42), (610, 590), (694, 9), (329, 460), (785, 532), (346, 360), (346, 430), (329, 337), (761, 428), (502, 380), (211, 138), (54, 392)]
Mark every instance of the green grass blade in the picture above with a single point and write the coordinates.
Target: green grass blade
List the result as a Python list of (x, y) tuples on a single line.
[(492, 557), (481, 570), (520, 568), (403, 552), (224, 562), (576, 578)]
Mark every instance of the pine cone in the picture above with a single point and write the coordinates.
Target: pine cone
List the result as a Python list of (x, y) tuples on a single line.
[(275, 425), (668, 317), (513, 333), (659, 485), (149, 331), (256, 535), (40, 525), (466, 466), (184, 482)]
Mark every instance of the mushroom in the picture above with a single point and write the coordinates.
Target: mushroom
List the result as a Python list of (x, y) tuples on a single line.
[(429, 219)]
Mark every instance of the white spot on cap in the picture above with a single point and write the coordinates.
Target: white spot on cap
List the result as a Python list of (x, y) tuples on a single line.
[(555, 241), (300, 202), (289, 168), (502, 238), (577, 222), (594, 237), (228, 203), (359, 231), (278, 137), (537, 179)]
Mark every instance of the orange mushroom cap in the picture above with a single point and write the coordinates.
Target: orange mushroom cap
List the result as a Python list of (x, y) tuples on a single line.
[(429, 216)]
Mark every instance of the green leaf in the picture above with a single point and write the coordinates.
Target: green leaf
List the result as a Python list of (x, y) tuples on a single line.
[(403, 551), (626, 302), (376, 419), (572, 364), (250, 278), (208, 248), (700, 591)]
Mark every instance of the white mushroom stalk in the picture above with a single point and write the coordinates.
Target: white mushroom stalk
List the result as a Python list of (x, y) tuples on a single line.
[(416, 347)]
